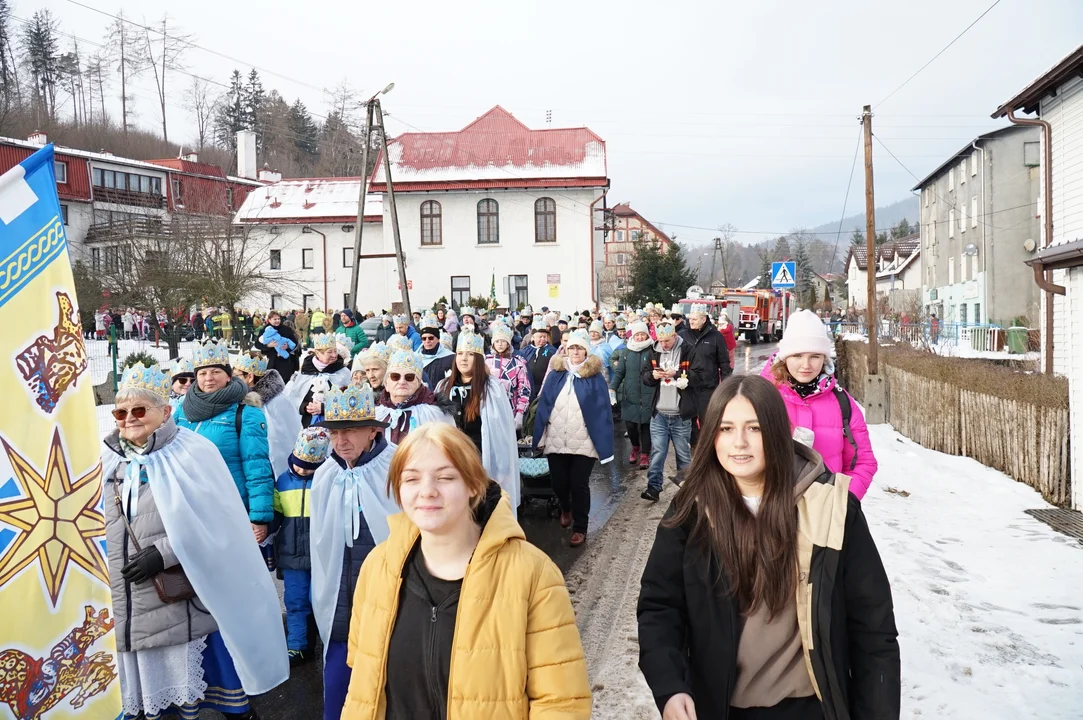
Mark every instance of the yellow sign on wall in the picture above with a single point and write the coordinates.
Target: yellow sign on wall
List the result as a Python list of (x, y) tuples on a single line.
[(554, 291)]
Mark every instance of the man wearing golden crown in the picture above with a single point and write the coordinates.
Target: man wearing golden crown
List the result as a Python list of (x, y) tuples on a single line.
[(354, 477)]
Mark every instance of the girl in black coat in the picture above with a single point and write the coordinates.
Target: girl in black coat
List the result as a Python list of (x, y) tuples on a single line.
[(764, 596)]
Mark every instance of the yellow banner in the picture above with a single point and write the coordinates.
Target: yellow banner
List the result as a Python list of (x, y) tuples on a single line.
[(57, 650)]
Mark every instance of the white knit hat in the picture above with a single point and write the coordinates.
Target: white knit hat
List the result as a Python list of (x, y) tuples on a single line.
[(805, 333), (638, 327)]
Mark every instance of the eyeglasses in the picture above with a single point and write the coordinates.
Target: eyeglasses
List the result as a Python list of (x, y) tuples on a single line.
[(137, 412), (408, 377), (185, 381)]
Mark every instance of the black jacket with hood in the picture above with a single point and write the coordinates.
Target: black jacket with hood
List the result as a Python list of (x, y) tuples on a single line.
[(689, 628), (686, 406), (710, 362)]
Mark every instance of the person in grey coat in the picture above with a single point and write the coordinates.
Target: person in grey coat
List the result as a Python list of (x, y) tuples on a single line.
[(159, 481)]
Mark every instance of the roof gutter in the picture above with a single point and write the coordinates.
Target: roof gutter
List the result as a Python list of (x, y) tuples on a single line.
[(1043, 277)]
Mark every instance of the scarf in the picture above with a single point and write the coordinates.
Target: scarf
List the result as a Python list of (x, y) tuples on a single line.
[(321, 366), (573, 369), (199, 406), (639, 345)]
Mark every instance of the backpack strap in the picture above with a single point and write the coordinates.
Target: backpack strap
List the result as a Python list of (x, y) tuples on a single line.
[(240, 415), (847, 413)]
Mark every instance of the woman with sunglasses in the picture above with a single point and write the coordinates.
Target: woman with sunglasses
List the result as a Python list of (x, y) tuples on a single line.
[(764, 597), (482, 410), (183, 375), (406, 403), (163, 486)]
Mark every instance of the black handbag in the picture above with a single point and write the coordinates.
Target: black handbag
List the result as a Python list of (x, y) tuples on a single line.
[(171, 584)]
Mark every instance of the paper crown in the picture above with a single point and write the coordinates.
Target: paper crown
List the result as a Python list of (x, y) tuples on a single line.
[(312, 445), (324, 341), (401, 320), (256, 365), (696, 308), (471, 342), (665, 330), (467, 310), (539, 325), (621, 322), (406, 361), (352, 405), (182, 366), (343, 341), (399, 342), (446, 340), (527, 310), (597, 327), (500, 331), (564, 319), (430, 322), (211, 353), (139, 377), (378, 350), (610, 317)]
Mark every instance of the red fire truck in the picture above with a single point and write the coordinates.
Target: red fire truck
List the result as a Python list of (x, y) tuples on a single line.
[(762, 314)]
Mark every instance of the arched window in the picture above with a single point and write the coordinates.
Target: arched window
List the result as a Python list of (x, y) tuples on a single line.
[(545, 220), (431, 227), (488, 222)]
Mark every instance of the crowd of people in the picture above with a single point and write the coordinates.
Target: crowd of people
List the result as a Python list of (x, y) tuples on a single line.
[(379, 477)]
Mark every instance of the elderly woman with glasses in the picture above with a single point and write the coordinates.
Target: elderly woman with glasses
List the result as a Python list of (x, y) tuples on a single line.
[(198, 624), (405, 402)]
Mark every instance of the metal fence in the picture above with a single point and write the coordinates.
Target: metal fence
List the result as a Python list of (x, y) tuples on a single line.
[(982, 338)]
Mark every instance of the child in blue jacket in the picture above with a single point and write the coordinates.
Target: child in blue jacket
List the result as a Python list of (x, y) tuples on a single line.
[(291, 524)]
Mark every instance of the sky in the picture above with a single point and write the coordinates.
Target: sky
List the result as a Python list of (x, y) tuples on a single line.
[(712, 112)]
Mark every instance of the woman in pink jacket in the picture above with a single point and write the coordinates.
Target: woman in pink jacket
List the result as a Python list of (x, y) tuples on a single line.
[(803, 371)]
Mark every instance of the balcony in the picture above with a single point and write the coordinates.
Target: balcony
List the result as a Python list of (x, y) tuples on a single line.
[(158, 228), (128, 197)]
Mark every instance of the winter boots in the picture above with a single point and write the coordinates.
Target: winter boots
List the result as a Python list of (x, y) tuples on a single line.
[(633, 457)]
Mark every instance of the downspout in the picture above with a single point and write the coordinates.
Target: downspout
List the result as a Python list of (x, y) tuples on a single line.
[(1044, 278), (984, 233), (326, 300), (595, 275)]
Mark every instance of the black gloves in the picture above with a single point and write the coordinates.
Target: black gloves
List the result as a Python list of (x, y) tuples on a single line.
[(144, 565)]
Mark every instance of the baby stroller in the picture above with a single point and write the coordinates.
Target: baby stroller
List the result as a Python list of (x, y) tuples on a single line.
[(534, 478)]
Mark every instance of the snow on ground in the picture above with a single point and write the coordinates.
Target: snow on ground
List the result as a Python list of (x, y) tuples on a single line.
[(988, 600)]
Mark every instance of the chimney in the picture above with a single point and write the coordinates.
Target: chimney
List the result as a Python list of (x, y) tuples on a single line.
[(39, 138), (246, 154), (268, 175), (191, 157)]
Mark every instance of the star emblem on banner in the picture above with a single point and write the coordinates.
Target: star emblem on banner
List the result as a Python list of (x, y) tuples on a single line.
[(57, 520)]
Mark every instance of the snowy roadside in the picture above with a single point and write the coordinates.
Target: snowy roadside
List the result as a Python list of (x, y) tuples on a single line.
[(986, 597)]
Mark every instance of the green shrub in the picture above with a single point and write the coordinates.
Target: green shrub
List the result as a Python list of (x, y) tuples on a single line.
[(139, 357)]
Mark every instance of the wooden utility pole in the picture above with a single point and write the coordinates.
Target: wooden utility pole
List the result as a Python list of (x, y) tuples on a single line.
[(394, 214), (714, 254), (870, 242), (361, 195)]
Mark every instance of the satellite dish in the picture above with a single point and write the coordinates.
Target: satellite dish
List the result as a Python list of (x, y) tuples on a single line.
[(1029, 245), (695, 291)]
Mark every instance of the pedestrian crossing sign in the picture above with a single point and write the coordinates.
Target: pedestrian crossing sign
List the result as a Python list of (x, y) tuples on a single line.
[(782, 274)]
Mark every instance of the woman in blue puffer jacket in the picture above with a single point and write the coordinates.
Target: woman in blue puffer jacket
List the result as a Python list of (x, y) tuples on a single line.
[(220, 408)]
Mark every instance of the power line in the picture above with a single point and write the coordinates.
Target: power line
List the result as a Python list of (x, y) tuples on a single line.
[(198, 47), (846, 198), (934, 57)]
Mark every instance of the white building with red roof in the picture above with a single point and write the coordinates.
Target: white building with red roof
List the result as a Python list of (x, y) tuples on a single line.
[(496, 198)]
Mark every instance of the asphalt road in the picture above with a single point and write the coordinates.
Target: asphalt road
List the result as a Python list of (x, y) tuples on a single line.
[(301, 697)]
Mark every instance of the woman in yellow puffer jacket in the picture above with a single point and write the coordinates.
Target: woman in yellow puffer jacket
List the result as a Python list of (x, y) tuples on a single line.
[(456, 615)]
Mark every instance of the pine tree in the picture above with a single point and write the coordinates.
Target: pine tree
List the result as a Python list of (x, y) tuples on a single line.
[(803, 269), (231, 114), (253, 99), (901, 229), (303, 129), (8, 76), (657, 276), (765, 267), (782, 248), (42, 52), (858, 238)]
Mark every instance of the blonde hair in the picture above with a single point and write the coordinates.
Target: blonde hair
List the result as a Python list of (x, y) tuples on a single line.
[(456, 446)]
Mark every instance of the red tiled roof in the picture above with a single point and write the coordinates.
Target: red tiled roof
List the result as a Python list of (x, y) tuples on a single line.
[(496, 148), (187, 166)]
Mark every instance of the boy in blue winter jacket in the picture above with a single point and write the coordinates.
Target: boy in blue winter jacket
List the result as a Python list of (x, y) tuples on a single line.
[(291, 525)]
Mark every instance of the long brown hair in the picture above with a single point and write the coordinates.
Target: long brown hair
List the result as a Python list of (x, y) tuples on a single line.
[(479, 381), (757, 554)]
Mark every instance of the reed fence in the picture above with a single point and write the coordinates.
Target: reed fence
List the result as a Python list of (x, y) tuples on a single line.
[(1011, 421)]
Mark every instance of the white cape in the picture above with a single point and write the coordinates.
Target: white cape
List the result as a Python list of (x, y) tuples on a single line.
[(338, 495), (209, 529), (499, 448), (421, 413), (299, 384), (283, 427)]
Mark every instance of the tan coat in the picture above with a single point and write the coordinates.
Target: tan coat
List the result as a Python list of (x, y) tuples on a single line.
[(516, 651)]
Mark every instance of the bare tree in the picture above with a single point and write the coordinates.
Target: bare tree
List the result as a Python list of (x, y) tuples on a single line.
[(163, 47), (95, 83), (729, 254), (203, 105), (124, 49)]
